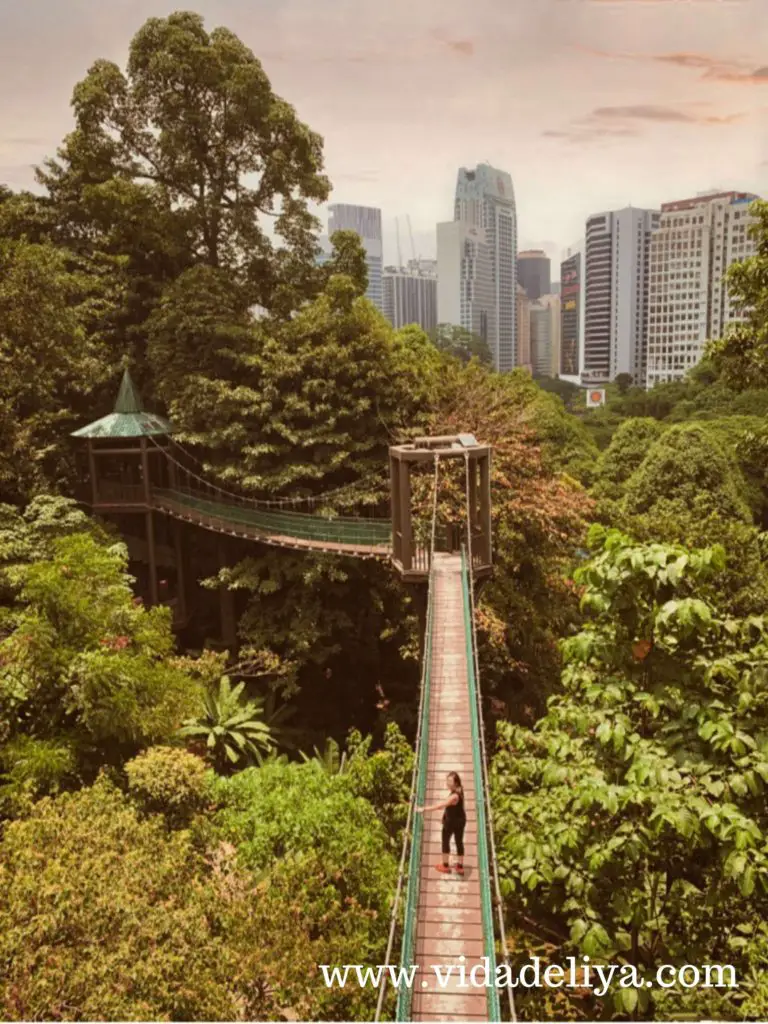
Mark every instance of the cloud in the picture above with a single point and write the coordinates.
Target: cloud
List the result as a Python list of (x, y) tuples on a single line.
[(584, 133), (463, 46), (623, 121), (716, 69), (629, 3), (651, 112)]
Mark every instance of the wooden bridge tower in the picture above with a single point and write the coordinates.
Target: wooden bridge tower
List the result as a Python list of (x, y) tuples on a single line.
[(410, 553), (125, 452)]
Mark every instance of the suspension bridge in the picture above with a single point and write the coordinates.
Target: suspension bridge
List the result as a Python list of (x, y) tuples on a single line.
[(444, 927)]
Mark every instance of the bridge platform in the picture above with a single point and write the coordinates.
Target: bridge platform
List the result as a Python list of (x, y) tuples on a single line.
[(449, 921)]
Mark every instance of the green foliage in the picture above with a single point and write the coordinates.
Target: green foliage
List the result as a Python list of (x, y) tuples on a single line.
[(538, 516), (33, 768), (460, 343), (687, 466), (82, 658), (348, 258), (53, 316), (231, 731), (632, 820), (191, 140), (626, 452), (105, 916), (331, 877), (168, 781)]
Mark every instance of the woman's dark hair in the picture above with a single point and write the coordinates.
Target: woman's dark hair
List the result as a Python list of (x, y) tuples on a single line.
[(456, 779)]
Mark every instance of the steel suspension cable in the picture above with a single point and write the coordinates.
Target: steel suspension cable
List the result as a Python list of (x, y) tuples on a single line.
[(278, 503), (483, 751), (416, 758)]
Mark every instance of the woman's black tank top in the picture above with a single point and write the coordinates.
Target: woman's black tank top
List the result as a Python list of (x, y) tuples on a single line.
[(455, 814)]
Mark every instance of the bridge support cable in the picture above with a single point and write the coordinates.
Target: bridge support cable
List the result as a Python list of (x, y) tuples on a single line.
[(482, 752), (274, 503), (414, 825)]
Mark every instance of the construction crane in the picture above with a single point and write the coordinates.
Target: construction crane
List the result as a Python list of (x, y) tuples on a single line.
[(410, 232), (397, 235)]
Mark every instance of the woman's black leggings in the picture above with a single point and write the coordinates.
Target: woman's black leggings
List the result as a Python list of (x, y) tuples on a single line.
[(457, 831)]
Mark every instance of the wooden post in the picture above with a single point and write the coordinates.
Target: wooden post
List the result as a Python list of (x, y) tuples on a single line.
[(181, 590), (154, 598), (405, 514), (92, 471), (226, 605), (394, 507), (485, 506), (145, 471), (472, 472)]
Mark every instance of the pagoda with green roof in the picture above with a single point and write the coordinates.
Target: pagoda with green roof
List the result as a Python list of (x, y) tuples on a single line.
[(125, 463), (128, 418)]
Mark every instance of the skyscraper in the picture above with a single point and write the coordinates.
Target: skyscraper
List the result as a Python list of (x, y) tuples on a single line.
[(465, 287), (485, 199), (410, 296), (572, 310), (695, 243), (523, 330), (545, 335), (533, 273), (366, 221), (615, 293)]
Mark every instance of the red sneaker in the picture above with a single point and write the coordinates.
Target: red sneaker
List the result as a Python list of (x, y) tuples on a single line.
[(459, 869), (443, 869)]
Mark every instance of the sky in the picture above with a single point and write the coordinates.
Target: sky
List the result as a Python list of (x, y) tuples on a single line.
[(590, 105)]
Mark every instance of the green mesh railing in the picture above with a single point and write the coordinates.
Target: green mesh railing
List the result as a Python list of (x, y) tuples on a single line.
[(489, 941), (405, 992), (376, 533)]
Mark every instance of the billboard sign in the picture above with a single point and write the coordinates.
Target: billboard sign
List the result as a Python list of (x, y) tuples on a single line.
[(595, 397)]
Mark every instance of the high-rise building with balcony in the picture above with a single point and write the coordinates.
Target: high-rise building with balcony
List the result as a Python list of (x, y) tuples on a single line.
[(523, 330), (696, 241), (410, 296), (617, 250)]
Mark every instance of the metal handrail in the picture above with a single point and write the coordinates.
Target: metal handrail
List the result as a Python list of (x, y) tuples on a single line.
[(494, 1012), (278, 503), (417, 780), (484, 762)]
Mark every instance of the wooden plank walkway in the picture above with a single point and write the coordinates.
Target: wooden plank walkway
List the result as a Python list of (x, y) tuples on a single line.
[(449, 915)]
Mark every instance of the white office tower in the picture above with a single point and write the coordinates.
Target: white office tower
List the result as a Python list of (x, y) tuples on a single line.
[(465, 286), (485, 200), (695, 243), (615, 294), (410, 296), (545, 336), (366, 221)]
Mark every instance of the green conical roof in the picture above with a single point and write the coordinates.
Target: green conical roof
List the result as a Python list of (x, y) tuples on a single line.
[(128, 399), (128, 418)]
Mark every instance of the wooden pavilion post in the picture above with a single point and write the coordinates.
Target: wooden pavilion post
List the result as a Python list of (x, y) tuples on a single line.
[(153, 591)]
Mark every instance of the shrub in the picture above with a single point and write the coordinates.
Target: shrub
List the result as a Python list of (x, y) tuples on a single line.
[(164, 780)]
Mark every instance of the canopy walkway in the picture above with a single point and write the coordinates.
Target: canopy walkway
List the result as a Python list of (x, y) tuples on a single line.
[(442, 923), (448, 923), (363, 538)]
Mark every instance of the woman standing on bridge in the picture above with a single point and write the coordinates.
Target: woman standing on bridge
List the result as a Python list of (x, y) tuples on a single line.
[(454, 821)]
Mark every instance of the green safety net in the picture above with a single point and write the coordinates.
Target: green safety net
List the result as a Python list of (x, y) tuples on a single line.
[(352, 532)]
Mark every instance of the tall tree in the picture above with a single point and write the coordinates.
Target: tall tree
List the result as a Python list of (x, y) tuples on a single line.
[(183, 157)]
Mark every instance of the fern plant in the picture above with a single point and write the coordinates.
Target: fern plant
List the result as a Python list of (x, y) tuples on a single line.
[(232, 730)]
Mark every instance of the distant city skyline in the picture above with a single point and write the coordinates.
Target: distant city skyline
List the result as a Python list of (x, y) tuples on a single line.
[(590, 105)]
